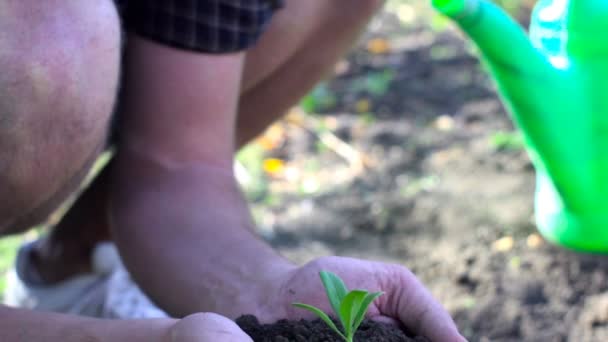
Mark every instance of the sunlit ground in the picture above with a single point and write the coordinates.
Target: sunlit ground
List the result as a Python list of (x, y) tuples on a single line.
[(8, 247)]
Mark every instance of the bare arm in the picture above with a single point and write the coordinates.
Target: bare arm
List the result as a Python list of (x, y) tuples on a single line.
[(179, 219), (30, 326)]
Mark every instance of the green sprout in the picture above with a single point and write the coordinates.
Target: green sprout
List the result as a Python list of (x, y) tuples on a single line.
[(349, 306)]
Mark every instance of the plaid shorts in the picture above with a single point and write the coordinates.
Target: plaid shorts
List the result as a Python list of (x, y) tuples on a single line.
[(211, 26)]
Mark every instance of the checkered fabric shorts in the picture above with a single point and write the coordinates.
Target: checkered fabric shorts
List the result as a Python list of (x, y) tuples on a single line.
[(211, 26)]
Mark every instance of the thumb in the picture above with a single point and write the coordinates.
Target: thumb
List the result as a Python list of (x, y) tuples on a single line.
[(207, 327), (416, 308)]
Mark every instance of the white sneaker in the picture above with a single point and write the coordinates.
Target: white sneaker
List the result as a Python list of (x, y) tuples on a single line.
[(108, 292)]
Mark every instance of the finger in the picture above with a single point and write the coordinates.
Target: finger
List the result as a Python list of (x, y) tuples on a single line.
[(208, 327), (414, 305), (387, 320)]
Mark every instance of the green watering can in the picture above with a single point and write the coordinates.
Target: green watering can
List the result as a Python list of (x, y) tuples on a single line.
[(555, 85)]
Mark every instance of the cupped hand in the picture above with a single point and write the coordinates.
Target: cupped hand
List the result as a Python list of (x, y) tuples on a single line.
[(206, 327), (405, 299)]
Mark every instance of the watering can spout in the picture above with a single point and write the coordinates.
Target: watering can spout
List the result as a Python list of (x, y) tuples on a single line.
[(502, 41)]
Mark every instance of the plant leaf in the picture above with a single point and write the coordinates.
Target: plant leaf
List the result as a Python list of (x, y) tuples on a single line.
[(335, 289), (322, 315), (369, 298), (349, 309)]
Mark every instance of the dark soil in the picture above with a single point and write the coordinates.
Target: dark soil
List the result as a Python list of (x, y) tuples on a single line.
[(438, 194), (318, 331)]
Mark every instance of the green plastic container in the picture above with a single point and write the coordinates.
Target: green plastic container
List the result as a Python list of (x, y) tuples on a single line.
[(555, 85)]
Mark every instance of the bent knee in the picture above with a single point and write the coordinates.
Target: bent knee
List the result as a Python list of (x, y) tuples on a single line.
[(372, 6), (359, 10), (59, 62)]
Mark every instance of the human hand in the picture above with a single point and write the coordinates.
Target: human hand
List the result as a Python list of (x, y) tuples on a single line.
[(206, 327), (405, 301)]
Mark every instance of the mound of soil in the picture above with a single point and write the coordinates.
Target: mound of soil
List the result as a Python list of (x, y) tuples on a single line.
[(318, 331)]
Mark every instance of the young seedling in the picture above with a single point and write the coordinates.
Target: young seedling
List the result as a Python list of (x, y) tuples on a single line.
[(349, 306)]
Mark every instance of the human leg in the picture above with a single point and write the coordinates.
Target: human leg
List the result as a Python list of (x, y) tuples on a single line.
[(67, 248), (58, 84), (302, 44)]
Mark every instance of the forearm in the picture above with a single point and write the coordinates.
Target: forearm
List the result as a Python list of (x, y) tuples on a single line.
[(31, 326), (186, 235)]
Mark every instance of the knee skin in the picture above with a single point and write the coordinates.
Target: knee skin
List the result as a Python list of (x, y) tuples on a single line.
[(59, 63)]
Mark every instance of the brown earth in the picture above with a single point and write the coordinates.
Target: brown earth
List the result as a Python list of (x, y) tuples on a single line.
[(318, 331), (433, 178)]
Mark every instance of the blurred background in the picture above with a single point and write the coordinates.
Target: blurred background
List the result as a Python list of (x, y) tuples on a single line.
[(405, 154)]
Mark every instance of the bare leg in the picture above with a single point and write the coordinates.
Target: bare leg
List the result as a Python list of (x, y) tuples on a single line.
[(288, 61), (67, 248), (294, 55), (58, 83)]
